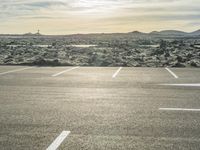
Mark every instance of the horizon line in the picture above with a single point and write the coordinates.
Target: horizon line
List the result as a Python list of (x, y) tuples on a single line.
[(99, 32)]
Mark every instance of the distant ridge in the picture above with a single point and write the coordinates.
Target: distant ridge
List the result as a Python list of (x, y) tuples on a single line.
[(137, 32), (175, 33), (172, 32), (197, 32), (163, 33), (32, 34), (29, 34)]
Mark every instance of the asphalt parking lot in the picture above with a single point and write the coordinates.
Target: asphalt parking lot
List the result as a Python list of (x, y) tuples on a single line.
[(94, 108)]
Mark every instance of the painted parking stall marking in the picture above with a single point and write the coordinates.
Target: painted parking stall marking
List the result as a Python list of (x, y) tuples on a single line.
[(172, 73), (57, 74), (56, 143), (184, 85), (179, 109), (117, 72), (16, 70)]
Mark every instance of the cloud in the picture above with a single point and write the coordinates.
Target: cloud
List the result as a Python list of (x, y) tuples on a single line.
[(19, 8), (105, 13), (15, 8)]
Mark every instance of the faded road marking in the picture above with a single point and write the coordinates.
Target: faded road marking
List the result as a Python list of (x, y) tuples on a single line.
[(57, 74), (178, 109), (172, 73), (56, 143), (116, 73), (16, 70)]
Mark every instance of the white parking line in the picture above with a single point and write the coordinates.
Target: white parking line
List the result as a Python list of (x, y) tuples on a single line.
[(172, 73), (56, 143), (116, 73), (184, 85), (57, 74), (178, 109), (16, 70)]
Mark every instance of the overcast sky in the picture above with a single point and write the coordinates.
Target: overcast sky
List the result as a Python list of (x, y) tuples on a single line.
[(89, 16)]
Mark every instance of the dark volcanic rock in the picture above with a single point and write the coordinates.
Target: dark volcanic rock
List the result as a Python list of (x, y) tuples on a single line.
[(103, 50)]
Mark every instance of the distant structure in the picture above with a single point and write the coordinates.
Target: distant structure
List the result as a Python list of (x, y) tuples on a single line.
[(38, 32), (33, 34)]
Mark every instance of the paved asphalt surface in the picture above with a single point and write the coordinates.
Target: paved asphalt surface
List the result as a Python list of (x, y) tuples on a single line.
[(101, 112)]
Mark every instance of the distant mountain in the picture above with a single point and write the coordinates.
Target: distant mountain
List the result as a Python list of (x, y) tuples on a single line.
[(195, 32), (29, 34), (136, 32), (174, 33), (32, 34), (169, 33)]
